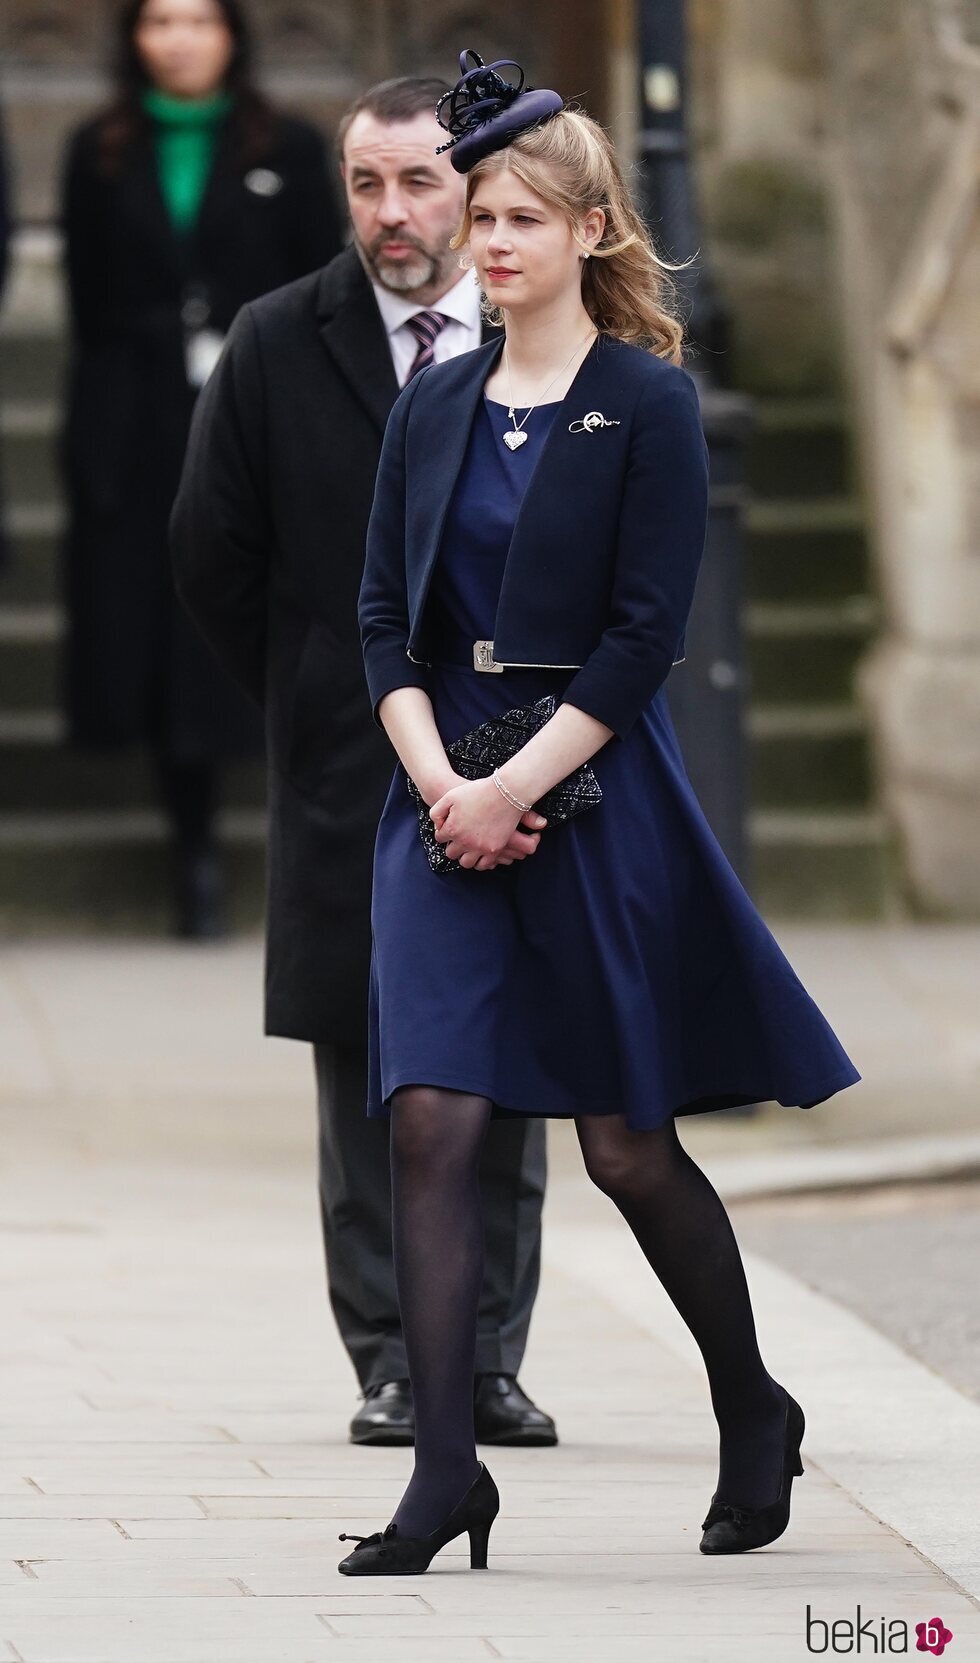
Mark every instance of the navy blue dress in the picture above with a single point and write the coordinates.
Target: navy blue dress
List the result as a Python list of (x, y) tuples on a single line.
[(621, 968)]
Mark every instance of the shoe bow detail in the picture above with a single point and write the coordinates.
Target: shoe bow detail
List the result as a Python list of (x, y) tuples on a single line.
[(378, 1539), (739, 1516)]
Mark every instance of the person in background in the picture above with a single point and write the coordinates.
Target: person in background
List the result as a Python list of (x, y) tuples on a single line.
[(6, 230), (268, 546), (187, 197)]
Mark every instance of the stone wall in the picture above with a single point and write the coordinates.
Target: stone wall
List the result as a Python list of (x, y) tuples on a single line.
[(839, 149), (903, 93), (757, 127)]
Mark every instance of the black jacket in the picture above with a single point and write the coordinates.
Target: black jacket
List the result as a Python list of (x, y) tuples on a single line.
[(136, 667), (602, 566), (268, 538)]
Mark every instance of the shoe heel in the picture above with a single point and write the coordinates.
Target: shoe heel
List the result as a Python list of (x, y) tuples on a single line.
[(798, 1468), (479, 1541)]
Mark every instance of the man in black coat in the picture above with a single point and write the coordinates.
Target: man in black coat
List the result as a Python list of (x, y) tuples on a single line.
[(268, 537)]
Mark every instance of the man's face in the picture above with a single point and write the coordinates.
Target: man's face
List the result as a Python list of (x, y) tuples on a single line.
[(405, 202)]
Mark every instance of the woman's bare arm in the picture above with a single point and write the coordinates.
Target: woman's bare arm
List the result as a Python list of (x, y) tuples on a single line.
[(570, 738), (407, 718)]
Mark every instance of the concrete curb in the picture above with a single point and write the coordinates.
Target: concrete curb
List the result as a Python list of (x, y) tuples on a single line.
[(858, 1165)]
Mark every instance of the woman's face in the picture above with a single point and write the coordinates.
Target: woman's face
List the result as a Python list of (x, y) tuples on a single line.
[(522, 247), (185, 46)]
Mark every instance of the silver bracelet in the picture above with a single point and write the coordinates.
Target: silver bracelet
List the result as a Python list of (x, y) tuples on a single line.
[(515, 802)]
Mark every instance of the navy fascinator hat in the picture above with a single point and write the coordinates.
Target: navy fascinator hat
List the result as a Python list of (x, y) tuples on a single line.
[(484, 112)]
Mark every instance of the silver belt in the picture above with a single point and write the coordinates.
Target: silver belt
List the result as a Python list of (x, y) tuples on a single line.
[(483, 658)]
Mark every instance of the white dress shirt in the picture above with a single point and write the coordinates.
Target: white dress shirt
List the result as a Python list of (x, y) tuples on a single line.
[(461, 305)]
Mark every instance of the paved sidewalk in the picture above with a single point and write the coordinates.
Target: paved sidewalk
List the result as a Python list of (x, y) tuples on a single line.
[(173, 1470)]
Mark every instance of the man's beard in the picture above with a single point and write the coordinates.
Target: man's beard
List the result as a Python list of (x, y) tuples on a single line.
[(422, 271)]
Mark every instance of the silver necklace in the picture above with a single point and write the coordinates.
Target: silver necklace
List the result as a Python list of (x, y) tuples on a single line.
[(515, 439)]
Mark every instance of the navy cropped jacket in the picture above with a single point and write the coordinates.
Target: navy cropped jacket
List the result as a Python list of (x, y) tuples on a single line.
[(602, 565)]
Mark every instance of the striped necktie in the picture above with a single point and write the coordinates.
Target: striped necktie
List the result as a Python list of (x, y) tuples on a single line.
[(426, 327)]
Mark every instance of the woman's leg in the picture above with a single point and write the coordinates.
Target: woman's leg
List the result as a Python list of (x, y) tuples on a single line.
[(437, 1236), (686, 1235), (189, 788)]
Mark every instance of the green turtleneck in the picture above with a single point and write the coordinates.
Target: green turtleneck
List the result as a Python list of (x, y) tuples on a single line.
[(185, 132)]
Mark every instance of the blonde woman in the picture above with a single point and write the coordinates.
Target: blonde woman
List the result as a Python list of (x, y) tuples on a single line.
[(537, 529)]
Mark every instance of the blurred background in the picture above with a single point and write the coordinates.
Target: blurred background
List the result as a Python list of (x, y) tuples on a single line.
[(822, 157)]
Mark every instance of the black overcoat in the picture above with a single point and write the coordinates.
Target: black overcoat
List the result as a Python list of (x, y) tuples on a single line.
[(268, 538), (136, 668)]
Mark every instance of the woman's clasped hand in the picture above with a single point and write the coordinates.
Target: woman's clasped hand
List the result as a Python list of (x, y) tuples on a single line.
[(481, 829)]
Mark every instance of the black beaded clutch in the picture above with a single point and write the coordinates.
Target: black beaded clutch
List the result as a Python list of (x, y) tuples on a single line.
[(475, 756)]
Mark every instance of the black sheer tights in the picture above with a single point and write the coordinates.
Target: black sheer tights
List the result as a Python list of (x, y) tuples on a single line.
[(437, 1236), (685, 1234), (681, 1227)]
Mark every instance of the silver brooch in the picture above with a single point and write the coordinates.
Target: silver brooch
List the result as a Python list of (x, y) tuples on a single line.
[(591, 422)]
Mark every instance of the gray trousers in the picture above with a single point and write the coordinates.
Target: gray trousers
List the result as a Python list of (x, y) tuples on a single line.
[(355, 1207)]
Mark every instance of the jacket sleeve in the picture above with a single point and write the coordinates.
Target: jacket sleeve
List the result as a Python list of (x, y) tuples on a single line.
[(220, 527), (382, 607), (662, 529)]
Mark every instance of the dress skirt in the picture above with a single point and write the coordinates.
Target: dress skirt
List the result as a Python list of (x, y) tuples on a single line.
[(620, 969)]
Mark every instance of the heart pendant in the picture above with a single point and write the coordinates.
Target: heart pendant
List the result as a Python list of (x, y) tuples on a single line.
[(515, 440)]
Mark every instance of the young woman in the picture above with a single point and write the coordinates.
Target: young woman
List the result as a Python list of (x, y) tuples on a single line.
[(609, 968), (189, 196)]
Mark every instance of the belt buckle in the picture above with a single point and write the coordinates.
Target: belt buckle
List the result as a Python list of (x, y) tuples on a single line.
[(483, 658)]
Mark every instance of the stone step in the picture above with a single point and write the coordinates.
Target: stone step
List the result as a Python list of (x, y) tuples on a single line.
[(28, 444), (823, 865), (30, 639), (805, 550), (32, 365), (803, 651), (95, 873), (795, 651), (799, 447), (111, 872), (34, 535), (39, 773), (808, 756)]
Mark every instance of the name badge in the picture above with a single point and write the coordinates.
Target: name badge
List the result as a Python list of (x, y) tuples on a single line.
[(202, 349)]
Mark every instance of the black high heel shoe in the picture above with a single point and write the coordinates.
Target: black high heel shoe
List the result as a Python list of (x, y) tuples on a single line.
[(386, 1553), (732, 1529)]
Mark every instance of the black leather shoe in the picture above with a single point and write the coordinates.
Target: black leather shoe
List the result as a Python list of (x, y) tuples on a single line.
[(387, 1417), (504, 1414), (386, 1553), (729, 1528)]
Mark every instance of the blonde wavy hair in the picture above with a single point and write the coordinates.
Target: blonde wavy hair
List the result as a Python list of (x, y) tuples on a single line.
[(627, 288)]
